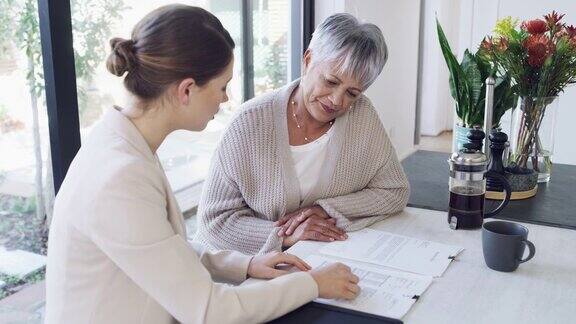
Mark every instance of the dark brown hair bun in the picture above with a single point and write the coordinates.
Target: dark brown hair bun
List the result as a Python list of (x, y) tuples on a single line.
[(122, 59)]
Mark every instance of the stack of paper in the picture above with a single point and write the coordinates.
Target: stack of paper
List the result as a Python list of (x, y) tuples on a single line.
[(383, 292), (395, 251), (394, 270)]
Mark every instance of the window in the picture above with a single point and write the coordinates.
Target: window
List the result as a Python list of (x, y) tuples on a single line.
[(39, 117), (271, 24), (26, 185), (184, 155)]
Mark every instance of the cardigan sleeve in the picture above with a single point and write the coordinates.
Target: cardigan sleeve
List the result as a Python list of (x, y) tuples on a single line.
[(385, 194), (130, 226), (225, 221)]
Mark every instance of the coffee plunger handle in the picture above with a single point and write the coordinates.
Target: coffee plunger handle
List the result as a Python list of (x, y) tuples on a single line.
[(488, 113), (506, 188)]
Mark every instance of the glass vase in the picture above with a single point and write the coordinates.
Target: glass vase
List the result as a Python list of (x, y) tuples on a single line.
[(459, 136), (532, 135)]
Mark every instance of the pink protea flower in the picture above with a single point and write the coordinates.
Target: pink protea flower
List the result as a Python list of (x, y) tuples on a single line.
[(487, 44), (570, 31), (502, 44), (535, 27), (553, 21), (539, 49)]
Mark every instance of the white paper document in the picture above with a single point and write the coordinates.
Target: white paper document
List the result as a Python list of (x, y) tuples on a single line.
[(383, 292), (395, 251)]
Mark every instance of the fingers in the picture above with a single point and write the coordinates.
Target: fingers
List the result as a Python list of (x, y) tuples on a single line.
[(289, 228), (296, 221), (340, 233), (282, 220), (294, 224), (343, 268), (333, 235), (303, 213), (314, 219), (330, 222), (292, 260), (354, 279), (317, 236), (329, 228), (282, 230), (351, 288), (351, 291)]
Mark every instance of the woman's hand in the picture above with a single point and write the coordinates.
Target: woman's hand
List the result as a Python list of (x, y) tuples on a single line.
[(302, 214), (336, 281), (311, 223), (316, 229), (290, 222), (264, 266)]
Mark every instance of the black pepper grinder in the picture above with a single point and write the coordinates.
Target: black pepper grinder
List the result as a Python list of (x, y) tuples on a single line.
[(496, 166)]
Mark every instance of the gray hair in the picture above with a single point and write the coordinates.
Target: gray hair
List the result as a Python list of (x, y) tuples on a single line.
[(358, 49)]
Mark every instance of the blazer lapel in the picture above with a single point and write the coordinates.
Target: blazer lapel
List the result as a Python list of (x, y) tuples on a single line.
[(122, 126), (175, 216)]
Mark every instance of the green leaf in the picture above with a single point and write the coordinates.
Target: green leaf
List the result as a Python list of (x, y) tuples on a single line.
[(458, 85), (475, 82)]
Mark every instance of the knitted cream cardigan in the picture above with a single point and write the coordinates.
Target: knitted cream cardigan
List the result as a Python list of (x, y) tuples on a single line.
[(252, 181)]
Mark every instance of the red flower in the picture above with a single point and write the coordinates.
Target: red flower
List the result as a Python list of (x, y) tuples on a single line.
[(502, 44), (539, 49), (487, 44), (553, 20), (535, 27), (570, 31)]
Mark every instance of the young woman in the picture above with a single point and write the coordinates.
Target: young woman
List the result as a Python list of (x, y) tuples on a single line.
[(117, 248)]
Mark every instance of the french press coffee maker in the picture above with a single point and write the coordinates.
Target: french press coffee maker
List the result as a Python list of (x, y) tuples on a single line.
[(468, 173)]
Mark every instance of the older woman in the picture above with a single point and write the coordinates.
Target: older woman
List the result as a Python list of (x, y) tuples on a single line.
[(311, 160)]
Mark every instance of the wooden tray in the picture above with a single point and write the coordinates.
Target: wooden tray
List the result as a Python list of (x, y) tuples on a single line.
[(516, 195)]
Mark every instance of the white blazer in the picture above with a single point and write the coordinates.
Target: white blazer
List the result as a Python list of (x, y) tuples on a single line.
[(117, 250)]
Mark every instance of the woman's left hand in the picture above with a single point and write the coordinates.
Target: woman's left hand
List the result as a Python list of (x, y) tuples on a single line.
[(288, 223), (263, 266)]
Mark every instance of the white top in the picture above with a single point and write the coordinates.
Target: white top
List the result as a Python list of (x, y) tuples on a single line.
[(308, 160), (117, 251)]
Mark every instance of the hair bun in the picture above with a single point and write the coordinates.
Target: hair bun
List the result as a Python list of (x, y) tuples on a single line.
[(122, 59)]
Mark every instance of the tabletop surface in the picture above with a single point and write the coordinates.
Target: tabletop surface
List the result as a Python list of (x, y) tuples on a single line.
[(542, 290), (554, 205)]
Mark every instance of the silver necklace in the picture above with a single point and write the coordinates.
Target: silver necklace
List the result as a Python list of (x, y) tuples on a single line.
[(296, 120)]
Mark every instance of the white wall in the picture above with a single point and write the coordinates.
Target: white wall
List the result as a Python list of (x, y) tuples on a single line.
[(437, 106), (394, 92)]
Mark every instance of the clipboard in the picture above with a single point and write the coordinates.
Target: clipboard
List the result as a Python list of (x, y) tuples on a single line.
[(316, 313)]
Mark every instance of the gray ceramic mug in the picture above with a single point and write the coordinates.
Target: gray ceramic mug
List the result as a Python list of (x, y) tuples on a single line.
[(504, 243)]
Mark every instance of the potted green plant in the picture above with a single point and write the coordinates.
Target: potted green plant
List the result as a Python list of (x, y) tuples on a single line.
[(468, 89), (540, 57)]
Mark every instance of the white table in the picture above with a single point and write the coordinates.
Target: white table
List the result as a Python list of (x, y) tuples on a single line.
[(542, 290)]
